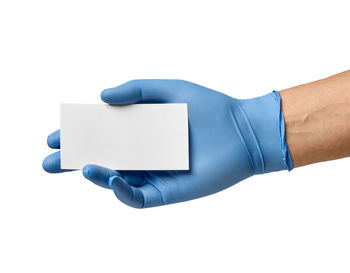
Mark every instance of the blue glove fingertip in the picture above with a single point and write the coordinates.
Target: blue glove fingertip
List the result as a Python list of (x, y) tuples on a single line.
[(88, 172), (127, 93), (52, 163), (112, 181), (98, 175), (53, 140)]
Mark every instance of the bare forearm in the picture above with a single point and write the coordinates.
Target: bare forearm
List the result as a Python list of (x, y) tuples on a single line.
[(317, 118)]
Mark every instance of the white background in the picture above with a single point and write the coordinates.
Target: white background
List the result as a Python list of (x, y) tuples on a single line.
[(68, 51)]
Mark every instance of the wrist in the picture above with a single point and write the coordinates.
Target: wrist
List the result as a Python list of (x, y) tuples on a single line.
[(264, 117), (317, 118)]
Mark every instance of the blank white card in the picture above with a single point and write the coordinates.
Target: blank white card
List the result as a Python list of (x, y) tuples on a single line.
[(129, 137)]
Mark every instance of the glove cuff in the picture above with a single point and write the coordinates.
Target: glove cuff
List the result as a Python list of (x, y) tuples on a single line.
[(287, 159), (261, 124)]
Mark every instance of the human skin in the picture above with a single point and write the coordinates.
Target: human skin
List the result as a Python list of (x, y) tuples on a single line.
[(317, 119)]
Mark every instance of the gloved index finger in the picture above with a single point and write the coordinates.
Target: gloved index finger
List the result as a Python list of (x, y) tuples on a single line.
[(53, 140)]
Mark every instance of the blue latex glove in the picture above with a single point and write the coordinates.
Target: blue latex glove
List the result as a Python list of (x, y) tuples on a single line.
[(230, 140)]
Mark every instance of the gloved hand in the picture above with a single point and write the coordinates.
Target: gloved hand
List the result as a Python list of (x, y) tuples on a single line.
[(229, 140)]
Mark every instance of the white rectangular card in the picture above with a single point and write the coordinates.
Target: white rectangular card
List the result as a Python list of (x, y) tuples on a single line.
[(129, 137)]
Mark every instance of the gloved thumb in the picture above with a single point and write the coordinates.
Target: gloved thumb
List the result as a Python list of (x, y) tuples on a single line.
[(138, 91)]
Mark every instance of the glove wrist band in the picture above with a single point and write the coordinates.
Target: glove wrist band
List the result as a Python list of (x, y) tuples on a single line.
[(260, 124)]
